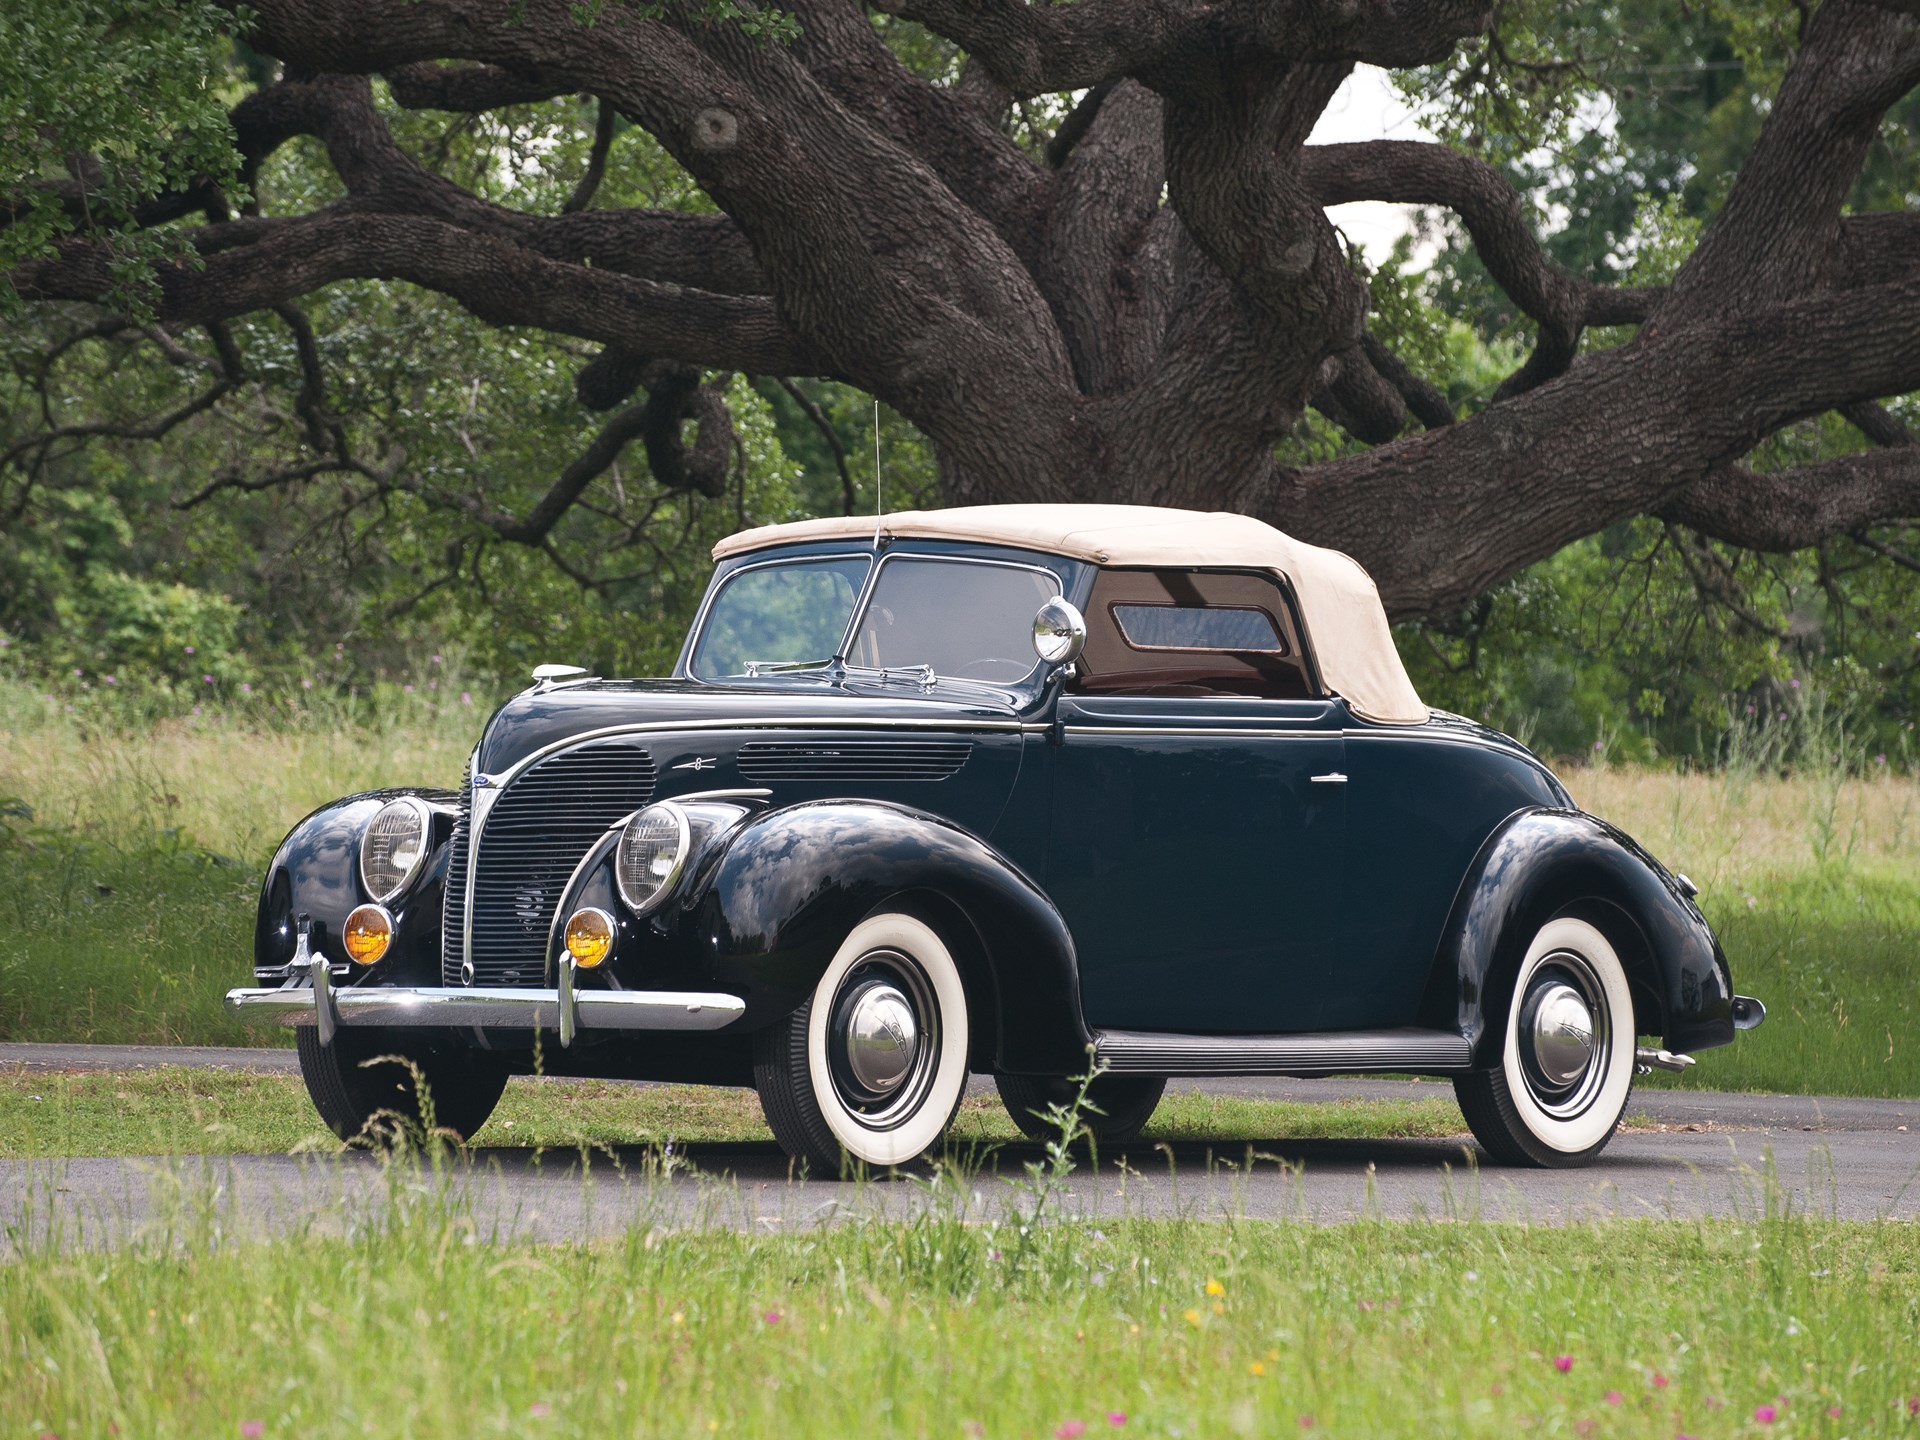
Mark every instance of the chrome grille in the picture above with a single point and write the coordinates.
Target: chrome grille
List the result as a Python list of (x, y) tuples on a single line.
[(453, 904), (844, 760), (534, 836)]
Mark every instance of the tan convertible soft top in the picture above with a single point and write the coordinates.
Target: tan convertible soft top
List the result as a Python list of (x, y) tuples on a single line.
[(1338, 602)]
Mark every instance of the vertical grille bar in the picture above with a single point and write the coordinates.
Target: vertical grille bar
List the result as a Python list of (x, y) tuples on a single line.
[(453, 908)]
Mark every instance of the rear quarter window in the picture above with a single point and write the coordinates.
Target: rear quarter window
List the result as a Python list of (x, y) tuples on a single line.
[(1192, 632)]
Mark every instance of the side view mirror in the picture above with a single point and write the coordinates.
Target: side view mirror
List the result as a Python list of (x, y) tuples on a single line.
[(1059, 633)]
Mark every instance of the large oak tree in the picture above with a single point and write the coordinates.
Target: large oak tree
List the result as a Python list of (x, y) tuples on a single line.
[(1135, 306)]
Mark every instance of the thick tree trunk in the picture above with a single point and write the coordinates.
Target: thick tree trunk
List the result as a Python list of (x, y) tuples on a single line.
[(1138, 315)]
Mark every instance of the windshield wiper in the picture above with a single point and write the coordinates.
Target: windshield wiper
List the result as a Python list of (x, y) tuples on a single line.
[(756, 668)]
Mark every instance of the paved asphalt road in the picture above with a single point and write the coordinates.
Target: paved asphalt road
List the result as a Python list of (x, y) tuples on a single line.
[(1711, 1154)]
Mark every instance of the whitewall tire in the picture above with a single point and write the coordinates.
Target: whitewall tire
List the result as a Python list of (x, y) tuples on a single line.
[(1566, 1054), (873, 1066)]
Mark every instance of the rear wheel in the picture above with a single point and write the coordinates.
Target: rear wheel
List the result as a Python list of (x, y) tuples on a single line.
[(364, 1096), (872, 1067), (1566, 1059), (1123, 1103)]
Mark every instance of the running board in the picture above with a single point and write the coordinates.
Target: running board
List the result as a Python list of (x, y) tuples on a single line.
[(1142, 1052)]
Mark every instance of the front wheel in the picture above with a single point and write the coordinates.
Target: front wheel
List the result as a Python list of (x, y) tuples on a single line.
[(366, 1097), (1566, 1060), (872, 1067)]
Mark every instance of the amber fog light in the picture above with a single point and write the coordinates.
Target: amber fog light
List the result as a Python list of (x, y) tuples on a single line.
[(589, 936), (367, 934)]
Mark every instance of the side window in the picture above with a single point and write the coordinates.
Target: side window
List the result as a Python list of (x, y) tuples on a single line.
[(1191, 632)]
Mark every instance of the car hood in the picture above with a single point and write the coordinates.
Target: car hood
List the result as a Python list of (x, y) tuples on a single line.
[(536, 720)]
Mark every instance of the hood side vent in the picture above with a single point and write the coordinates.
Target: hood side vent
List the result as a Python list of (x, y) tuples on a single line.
[(836, 761)]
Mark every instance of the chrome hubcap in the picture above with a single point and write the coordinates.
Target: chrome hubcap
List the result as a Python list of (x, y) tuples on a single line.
[(883, 1039), (1564, 1035)]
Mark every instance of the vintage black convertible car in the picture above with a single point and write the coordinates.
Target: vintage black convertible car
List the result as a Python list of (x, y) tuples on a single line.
[(901, 814)]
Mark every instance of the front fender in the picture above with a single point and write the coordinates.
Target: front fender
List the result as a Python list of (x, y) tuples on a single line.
[(316, 872), (1540, 863), (792, 883)]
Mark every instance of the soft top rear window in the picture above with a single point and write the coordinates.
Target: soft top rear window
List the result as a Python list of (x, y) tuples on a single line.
[(1186, 627)]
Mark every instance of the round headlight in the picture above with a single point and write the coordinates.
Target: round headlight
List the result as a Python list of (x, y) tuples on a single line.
[(652, 853), (367, 934), (394, 847)]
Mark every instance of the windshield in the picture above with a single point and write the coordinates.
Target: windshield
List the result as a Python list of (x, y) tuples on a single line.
[(961, 618), (781, 614)]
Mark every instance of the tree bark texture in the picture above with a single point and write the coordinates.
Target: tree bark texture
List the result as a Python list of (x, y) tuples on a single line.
[(1137, 314)]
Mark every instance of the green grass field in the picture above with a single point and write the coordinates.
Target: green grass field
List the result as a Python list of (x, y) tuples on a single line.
[(401, 1325), (128, 907)]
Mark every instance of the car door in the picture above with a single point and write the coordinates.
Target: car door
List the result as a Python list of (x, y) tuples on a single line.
[(1197, 834)]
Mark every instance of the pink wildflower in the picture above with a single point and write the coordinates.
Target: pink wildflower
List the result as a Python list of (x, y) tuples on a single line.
[(1499, 1389), (436, 659), (407, 688), (1069, 1429), (539, 1409), (206, 679), (252, 1429), (1660, 1382), (1765, 1414), (466, 698), (189, 649), (306, 684), (1614, 1397), (1116, 1418), (109, 680), (1563, 1363), (1833, 1412), (1306, 1422), (245, 688), (1913, 1404), (772, 1317)]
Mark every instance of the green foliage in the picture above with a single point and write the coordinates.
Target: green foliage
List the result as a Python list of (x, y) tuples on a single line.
[(141, 89)]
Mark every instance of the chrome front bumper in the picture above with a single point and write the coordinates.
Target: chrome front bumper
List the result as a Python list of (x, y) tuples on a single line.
[(565, 1009)]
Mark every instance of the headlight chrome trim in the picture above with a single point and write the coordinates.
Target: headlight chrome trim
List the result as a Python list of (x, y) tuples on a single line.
[(668, 882), (424, 817)]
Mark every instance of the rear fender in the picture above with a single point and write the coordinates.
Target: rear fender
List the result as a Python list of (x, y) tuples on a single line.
[(316, 872), (793, 882), (1541, 863)]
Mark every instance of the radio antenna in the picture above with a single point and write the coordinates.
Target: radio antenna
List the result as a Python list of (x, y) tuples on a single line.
[(877, 481)]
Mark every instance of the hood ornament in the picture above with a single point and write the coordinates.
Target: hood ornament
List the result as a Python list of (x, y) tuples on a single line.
[(545, 677)]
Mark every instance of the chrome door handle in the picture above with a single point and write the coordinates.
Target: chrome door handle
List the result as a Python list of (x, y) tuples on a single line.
[(1332, 777)]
